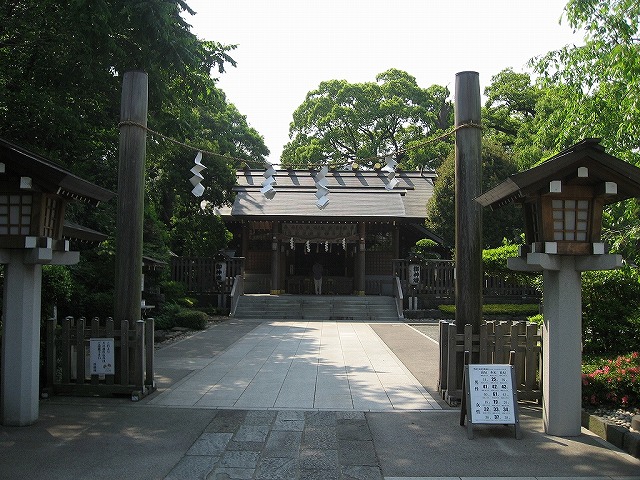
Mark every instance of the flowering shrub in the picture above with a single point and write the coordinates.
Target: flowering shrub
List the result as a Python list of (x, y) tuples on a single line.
[(614, 382)]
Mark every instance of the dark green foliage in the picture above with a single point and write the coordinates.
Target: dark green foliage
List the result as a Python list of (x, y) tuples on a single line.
[(193, 319), (61, 71), (172, 291), (494, 263), (57, 288), (427, 248), (506, 222), (611, 311)]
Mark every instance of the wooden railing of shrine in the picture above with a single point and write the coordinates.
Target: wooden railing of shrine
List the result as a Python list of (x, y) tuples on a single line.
[(437, 285), (67, 357), (198, 273), (493, 345)]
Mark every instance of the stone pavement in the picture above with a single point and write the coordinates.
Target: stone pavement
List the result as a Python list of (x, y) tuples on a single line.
[(173, 434)]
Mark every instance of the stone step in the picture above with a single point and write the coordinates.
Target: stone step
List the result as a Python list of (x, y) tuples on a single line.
[(322, 307)]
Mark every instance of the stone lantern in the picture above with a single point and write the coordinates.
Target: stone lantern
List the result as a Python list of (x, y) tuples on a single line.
[(562, 200), (33, 195)]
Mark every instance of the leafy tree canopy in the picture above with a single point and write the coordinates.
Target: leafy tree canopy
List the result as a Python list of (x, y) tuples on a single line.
[(61, 67), (341, 122), (504, 223)]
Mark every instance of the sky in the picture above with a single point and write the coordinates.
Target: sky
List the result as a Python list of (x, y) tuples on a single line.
[(287, 47)]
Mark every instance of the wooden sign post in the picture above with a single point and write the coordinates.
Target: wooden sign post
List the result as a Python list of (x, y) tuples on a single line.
[(489, 397)]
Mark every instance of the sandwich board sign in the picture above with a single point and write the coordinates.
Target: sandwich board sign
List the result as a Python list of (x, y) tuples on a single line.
[(489, 397)]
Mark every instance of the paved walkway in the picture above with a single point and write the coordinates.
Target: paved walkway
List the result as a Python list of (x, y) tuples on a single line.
[(301, 365), (289, 401)]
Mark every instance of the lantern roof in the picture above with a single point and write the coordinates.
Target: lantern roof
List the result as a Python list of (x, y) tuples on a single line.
[(48, 176), (585, 163)]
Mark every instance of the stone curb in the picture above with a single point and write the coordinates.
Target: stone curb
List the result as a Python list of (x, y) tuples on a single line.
[(628, 441)]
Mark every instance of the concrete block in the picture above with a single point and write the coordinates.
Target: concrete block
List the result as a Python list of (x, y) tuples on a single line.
[(632, 443)]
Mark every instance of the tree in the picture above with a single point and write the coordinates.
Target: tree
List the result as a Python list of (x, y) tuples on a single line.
[(601, 94), (340, 122), (597, 94), (497, 225), (61, 66)]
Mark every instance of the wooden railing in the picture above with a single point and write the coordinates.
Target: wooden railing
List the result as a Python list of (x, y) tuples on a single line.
[(492, 344), (236, 292), (437, 285), (198, 273), (67, 356), (398, 297)]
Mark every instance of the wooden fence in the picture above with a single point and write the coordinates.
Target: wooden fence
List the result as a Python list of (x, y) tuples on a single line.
[(67, 357), (491, 345), (198, 273), (437, 285)]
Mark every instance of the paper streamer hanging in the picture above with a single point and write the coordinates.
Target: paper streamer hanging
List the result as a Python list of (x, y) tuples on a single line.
[(322, 194), (269, 181), (198, 189), (390, 169)]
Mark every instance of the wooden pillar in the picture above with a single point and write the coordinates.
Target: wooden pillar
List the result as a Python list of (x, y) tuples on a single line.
[(396, 241), (468, 186), (360, 277), (275, 259), (245, 240), (130, 211)]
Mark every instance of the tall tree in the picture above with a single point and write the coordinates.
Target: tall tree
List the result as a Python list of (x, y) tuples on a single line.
[(600, 80), (504, 223), (61, 66), (597, 94), (341, 122)]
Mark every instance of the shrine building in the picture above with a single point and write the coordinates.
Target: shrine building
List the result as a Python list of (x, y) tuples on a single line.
[(365, 225)]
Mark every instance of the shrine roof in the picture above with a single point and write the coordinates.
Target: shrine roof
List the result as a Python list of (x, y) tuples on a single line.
[(588, 153), (352, 194), (48, 176)]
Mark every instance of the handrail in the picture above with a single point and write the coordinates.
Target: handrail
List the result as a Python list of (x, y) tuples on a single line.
[(236, 292), (399, 297)]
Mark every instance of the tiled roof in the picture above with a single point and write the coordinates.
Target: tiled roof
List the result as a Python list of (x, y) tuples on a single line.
[(352, 194)]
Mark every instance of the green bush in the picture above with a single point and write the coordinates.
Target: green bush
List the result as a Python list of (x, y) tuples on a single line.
[(494, 263), (611, 311), (427, 248), (172, 290), (165, 317), (539, 319), (193, 319), (612, 382), (500, 309)]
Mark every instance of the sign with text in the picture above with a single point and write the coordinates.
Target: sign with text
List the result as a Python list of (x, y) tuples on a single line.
[(101, 356), (491, 394)]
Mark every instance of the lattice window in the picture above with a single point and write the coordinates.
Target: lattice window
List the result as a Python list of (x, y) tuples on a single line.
[(570, 219), (15, 214), (50, 216)]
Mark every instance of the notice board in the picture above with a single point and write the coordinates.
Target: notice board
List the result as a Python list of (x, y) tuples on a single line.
[(101, 356), (489, 396)]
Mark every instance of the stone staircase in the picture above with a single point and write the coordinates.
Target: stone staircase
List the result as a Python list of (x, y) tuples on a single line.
[(320, 307)]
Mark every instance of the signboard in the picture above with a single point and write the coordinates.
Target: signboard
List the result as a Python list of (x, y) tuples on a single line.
[(489, 396), (101, 361)]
